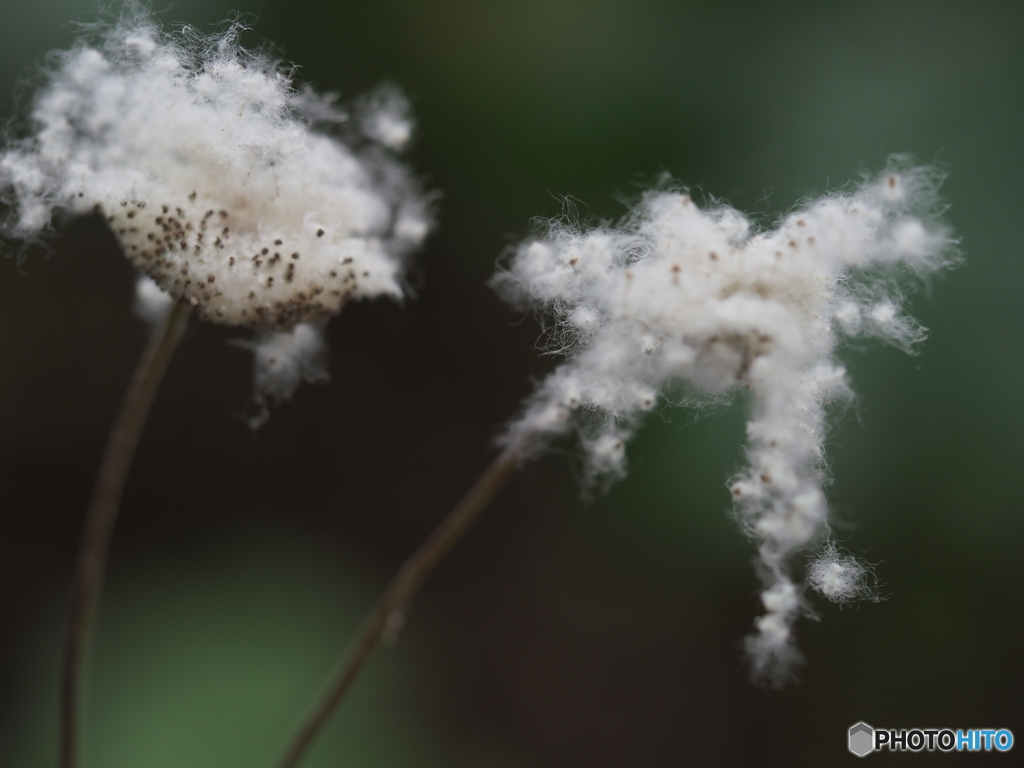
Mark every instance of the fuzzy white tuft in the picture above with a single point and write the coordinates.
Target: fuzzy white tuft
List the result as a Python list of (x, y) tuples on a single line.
[(678, 294), (839, 576), (151, 303), (284, 359), (204, 160)]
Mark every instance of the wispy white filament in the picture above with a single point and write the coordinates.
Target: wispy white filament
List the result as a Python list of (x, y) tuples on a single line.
[(678, 295)]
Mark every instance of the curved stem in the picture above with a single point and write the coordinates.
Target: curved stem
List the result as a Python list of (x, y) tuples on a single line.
[(99, 524), (388, 614)]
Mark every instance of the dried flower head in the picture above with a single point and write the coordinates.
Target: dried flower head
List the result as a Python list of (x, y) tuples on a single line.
[(678, 295), (206, 163)]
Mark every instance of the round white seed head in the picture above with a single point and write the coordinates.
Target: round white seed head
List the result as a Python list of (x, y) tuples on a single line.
[(205, 162)]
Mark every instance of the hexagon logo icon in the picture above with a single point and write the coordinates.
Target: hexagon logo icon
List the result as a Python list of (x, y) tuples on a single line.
[(862, 737)]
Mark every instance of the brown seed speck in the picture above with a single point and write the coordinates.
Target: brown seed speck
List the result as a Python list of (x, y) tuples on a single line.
[(278, 242), (295, 256), (319, 233)]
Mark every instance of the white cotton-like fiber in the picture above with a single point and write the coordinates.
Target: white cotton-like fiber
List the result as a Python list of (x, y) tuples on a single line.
[(151, 303), (285, 359), (839, 576), (700, 297)]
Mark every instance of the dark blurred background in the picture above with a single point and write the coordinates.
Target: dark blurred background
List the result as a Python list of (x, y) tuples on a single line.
[(560, 632)]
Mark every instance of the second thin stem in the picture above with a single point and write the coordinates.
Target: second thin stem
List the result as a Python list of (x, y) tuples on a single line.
[(387, 615)]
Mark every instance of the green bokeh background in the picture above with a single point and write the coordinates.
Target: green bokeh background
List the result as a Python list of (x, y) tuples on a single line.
[(560, 632)]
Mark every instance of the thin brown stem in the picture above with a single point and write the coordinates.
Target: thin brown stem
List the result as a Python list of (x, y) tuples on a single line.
[(99, 525), (388, 614)]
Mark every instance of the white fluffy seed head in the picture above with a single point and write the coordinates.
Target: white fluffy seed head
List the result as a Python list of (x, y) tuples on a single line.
[(208, 167), (680, 295)]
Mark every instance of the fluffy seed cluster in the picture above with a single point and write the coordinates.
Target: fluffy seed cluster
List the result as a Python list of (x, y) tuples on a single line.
[(207, 165), (679, 298)]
